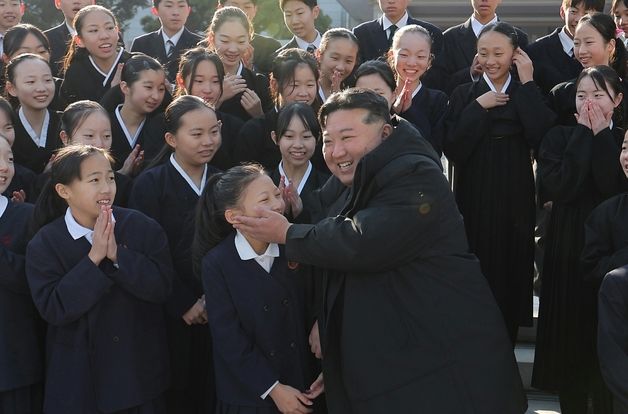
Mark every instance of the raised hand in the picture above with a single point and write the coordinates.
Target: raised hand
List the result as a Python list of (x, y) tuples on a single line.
[(231, 86), (251, 103), (404, 98), (493, 99), (290, 400), (100, 240), (525, 69)]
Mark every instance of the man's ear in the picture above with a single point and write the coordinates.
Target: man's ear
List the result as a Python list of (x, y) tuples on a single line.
[(387, 131)]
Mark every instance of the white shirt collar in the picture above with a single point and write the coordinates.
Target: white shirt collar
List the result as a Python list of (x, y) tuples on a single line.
[(132, 139), (418, 88), (490, 83), (610, 126), (111, 71), (308, 171), (246, 252), (402, 22), (304, 45), (240, 68), (189, 179), (477, 26), (321, 93), (174, 39), (71, 29), (76, 230), (40, 140), (566, 42), (4, 203)]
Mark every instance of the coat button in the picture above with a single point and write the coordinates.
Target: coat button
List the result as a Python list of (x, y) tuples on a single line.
[(293, 345), (271, 354), (116, 339), (285, 302), (266, 308)]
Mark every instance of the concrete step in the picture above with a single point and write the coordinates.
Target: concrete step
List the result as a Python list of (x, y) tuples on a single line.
[(539, 403), (524, 353)]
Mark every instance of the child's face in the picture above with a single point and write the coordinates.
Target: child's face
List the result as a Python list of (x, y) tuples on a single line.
[(231, 41), (94, 130), (297, 144), (95, 188), (339, 56), (33, 85), (620, 13), (588, 93), (247, 6), (375, 83), (197, 139), (261, 192), (7, 169), (623, 156), (495, 53), (302, 88), (590, 48), (69, 8), (412, 56), (299, 19), (11, 12), (99, 35), (393, 9), (571, 16), (484, 9), (32, 44), (145, 94), (206, 82), (6, 127), (173, 14)]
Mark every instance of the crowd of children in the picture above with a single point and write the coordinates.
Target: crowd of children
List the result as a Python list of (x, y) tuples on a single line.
[(124, 287)]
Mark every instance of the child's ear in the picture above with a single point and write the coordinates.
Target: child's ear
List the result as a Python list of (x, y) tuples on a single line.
[(230, 213), (58, 4), (62, 190), (618, 99), (180, 82), (77, 41), (124, 87), (273, 135), (170, 140), (10, 88), (64, 137), (316, 11), (154, 11)]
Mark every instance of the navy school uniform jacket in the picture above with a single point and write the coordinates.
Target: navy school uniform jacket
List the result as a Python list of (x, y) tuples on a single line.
[(83, 81), (264, 47), (22, 347), (256, 320), (257, 83), (27, 153), (427, 114), (106, 343), (150, 138), (452, 67), (164, 195), (23, 179), (152, 44), (551, 64)]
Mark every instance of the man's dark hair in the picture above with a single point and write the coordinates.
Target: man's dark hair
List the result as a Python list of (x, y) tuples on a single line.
[(156, 3), (309, 3), (597, 5), (356, 98)]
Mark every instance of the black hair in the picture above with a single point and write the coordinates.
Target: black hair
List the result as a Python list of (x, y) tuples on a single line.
[(156, 3), (603, 77), (172, 121), (75, 114), (356, 98), (505, 29), (136, 64), (6, 107), (14, 37), (284, 67), (337, 33), (605, 26), (222, 192), (189, 63), (597, 5), (73, 50), (66, 167), (309, 3), (614, 4), (379, 68), (306, 115), (222, 2), (225, 14)]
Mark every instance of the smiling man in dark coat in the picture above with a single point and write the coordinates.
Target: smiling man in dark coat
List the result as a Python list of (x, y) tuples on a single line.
[(408, 322)]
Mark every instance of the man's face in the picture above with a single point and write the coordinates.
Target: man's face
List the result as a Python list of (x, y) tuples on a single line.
[(347, 138), (393, 9)]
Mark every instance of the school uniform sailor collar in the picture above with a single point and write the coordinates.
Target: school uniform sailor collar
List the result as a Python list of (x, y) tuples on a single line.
[(40, 140), (114, 67), (417, 90), (187, 178), (76, 230), (4, 203), (321, 93), (132, 139), (308, 171), (477, 26), (492, 87), (246, 252)]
